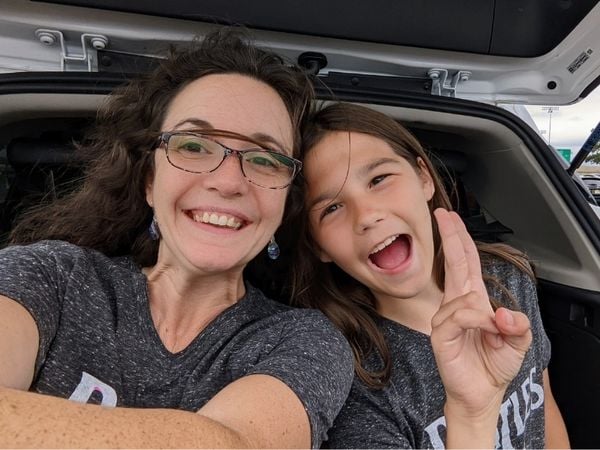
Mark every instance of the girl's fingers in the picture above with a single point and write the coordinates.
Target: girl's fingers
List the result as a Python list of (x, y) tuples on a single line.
[(471, 300), (471, 253), (515, 328), (454, 326), (456, 265), (465, 313), (461, 257)]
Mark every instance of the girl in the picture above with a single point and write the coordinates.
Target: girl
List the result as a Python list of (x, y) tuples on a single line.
[(436, 365)]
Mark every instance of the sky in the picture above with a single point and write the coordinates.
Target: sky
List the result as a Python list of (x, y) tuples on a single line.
[(571, 124)]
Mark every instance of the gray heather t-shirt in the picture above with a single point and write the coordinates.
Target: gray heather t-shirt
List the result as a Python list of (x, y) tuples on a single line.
[(408, 413), (98, 343)]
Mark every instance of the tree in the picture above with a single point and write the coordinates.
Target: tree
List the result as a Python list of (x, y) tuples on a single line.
[(594, 156)]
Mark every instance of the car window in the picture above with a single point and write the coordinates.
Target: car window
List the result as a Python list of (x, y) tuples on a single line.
[(567, 127)]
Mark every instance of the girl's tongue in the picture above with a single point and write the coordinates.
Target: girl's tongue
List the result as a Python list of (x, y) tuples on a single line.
[(393, 255)]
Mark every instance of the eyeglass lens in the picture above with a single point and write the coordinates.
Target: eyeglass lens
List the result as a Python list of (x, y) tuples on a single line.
[(194, 153)]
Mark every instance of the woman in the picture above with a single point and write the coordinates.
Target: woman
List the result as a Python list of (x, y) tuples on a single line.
[(436, 365), (130, 291)]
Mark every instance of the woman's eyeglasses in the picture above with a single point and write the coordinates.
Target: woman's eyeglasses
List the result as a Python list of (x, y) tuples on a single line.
[(199, 153)]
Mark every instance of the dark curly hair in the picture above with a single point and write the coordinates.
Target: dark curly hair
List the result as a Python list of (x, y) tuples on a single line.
[(108, 210)]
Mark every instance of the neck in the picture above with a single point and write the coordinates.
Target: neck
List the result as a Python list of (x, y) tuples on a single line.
[(182, 306), (414, 312)]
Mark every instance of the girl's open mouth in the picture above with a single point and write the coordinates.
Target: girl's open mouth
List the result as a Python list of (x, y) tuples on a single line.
[(392, 252)]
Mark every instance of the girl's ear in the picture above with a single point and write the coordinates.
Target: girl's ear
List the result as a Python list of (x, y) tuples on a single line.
[(426, 178), (323, 256)]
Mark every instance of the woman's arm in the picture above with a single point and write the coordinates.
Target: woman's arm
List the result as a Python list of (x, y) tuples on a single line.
[(556, 432), (257, 411), (19, 342)]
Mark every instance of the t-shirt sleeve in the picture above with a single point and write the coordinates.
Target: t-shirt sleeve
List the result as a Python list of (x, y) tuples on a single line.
[(527, 297), (30, 276), (523, 290), (366, 421), (315, 361)]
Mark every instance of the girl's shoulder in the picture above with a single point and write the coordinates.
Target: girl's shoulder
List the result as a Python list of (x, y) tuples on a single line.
[(509, 277)]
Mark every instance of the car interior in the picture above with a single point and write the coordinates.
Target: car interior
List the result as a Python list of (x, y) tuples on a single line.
[(504, 181), (500, 186)]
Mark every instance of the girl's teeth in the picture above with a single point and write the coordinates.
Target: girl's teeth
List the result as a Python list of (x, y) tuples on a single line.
[(385, 243)]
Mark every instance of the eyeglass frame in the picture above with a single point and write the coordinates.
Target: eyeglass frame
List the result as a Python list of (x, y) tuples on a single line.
[(163, 141)]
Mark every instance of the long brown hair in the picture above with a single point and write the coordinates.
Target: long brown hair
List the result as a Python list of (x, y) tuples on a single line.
[(108, 211), (347, 302)]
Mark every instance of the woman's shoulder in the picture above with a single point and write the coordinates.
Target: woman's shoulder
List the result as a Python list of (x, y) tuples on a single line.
[(62, 255)]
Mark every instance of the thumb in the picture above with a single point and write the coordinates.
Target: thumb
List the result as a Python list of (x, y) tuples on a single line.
[(514, 327)]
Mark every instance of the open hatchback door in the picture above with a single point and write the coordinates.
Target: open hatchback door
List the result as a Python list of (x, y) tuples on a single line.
[(443, 69)]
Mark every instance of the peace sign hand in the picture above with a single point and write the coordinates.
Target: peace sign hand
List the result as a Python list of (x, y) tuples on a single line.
[(478, 352)]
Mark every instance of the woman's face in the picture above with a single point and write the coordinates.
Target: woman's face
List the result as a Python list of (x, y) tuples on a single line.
[(217, 222), (368, 213)]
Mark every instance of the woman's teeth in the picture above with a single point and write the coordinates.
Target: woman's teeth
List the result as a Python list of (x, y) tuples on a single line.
[(384, 244), (221, 220)]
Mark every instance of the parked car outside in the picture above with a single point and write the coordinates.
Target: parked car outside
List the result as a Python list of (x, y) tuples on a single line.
[(440, 68), (593, 184)]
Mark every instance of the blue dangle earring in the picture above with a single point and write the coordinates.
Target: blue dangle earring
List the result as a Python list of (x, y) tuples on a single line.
[(273, 249), (153, 229)]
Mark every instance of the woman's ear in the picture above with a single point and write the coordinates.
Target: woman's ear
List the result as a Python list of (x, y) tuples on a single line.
[(427, 179), (149, 192)]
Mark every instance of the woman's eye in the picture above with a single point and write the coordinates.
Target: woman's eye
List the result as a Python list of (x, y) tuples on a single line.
[(192, 146), (261, 160)]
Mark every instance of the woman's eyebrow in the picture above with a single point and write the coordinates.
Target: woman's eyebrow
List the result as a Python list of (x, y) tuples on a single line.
[(262, 137), (198, 123), (259, 137)]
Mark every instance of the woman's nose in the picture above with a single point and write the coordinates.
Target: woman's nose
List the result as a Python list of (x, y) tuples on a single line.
[(228, 178)]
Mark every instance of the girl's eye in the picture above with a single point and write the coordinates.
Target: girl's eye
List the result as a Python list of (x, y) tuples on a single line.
[(378, 179), (330, 209)]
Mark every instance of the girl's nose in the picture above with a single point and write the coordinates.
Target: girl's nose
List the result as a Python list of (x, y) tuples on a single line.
[(366, 217)]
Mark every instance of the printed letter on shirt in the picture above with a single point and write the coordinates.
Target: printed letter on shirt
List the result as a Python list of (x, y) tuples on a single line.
[(90, 384)]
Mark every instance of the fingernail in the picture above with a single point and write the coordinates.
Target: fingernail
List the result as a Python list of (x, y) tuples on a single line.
[(510, 320)]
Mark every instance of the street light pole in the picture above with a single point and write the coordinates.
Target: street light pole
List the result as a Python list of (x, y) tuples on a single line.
[(550, 110)]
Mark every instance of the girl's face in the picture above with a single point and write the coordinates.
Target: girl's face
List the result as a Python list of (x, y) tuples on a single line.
[(368, 213), (216, 222)]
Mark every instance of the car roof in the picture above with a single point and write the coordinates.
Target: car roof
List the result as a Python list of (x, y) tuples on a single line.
[(534, 52), (490, 27)]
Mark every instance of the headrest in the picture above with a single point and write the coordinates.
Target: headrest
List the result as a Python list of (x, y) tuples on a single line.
[(32, 151)]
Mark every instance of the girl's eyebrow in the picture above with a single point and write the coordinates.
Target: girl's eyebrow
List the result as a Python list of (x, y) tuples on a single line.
[(259, 137), (327, 195), (369, 167), (362, 172)]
